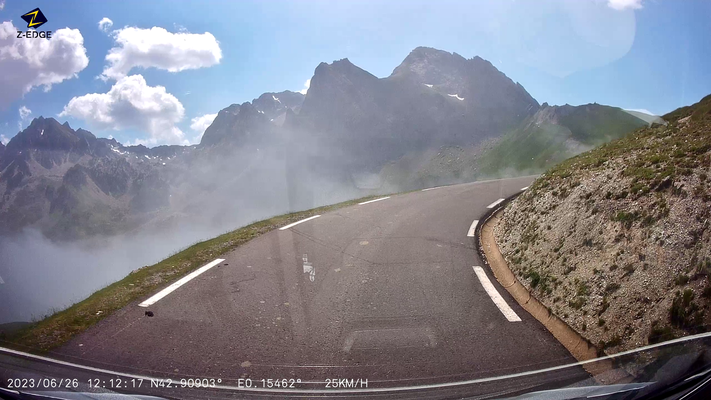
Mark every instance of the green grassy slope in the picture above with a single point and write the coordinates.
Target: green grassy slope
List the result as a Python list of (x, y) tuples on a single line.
[(555, 134), (616, 240), (664, 151)]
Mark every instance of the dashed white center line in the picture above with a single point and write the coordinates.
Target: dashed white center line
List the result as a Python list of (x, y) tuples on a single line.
[(495, 296), (298, 222), (494, 204), (524, 188), (182, 281), (373, 201), (472, 228)]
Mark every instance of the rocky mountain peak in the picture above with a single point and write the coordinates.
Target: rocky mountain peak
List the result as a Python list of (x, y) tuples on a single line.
[(338, 85), (139, 149), (429, 66), (472, 81), (234, 123), (48, 134), (247, 109), (273, 105), (343, 65), (82, 133), (350, 124), (341, 70), (420, 54)]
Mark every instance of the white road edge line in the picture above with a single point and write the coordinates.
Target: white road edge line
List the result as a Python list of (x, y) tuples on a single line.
[(373, 201), (524, 188), (495, 296), (298, 222), (432, 188), (182, 281), (494, 204), (472, 228)]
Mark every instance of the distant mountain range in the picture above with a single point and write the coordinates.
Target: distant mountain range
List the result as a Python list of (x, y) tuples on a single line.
[(438, 118)]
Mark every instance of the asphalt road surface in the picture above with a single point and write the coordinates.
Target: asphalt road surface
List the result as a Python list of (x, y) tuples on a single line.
[(394, 299)]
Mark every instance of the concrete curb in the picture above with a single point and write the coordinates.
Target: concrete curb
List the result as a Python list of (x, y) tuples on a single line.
[(579, 347)]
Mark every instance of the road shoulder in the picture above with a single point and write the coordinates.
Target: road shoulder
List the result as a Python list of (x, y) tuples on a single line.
[(576, 344)]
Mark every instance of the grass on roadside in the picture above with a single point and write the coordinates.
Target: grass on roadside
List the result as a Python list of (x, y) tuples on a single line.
[(58, 328), (655, 156)]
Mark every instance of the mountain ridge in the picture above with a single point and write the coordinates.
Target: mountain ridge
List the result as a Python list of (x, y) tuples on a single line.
[(556, 133), (348, 128)]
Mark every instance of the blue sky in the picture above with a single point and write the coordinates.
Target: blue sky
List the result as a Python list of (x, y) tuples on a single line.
[(650, 54)]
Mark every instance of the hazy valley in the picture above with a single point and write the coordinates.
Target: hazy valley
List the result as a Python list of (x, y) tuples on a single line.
[(85, 211)]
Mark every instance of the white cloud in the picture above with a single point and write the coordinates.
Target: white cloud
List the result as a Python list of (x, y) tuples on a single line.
[(4, 139), (2, 4), (307, 85), (625, 4), (37, 62), (132, 104), (105, 24), (158, 48), (179, 27), (199, 124), (24, 112)]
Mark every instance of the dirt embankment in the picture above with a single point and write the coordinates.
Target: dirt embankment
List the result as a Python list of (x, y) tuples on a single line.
[(616, 241)]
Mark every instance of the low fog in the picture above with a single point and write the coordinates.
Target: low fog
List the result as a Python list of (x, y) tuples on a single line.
[(211, 192), (208, 191)]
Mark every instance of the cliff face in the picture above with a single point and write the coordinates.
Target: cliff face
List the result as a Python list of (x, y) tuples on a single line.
[(433, 98), (616, 241)]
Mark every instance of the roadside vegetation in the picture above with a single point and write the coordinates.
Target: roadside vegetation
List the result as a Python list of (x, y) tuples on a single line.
[(56, 329), (554, 134), (540, 141), (621, 233)]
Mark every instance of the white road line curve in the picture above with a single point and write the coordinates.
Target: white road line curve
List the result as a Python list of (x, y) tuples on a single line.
[(298, 222), (373, 201), (494, 204), (495, 296), (472, 228), (182, 281)]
